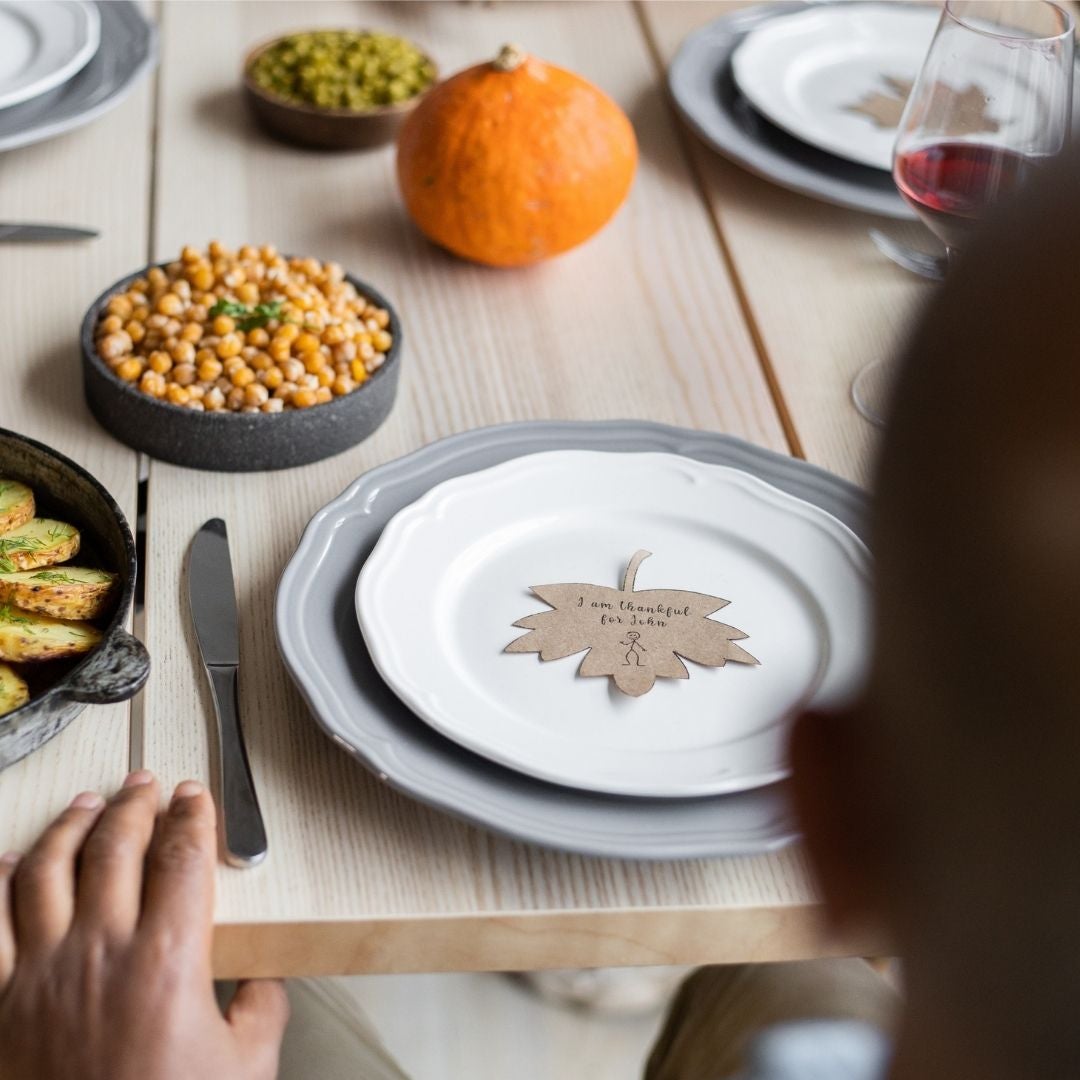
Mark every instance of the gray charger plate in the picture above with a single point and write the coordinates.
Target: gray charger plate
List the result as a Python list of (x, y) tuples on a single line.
[(128, 50), (323, 649), (704, 91)]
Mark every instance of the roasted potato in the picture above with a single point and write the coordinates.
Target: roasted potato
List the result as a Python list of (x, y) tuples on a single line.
[(65, 592), (26, 636), (16, 504), (40, 542), (13, 691)]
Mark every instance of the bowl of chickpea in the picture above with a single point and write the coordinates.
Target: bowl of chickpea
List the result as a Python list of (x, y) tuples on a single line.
[(241, 360)]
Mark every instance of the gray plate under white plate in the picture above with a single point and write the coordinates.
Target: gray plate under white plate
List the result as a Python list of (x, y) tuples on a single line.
[(324, 651), (128, 50)]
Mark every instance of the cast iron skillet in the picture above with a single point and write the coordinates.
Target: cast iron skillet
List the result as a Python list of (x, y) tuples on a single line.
[(118, 667)]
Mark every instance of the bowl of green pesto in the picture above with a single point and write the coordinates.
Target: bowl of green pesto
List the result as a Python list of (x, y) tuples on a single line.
[(336, 89)]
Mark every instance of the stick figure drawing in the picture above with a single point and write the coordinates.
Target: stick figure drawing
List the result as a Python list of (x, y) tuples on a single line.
[(636, 650)]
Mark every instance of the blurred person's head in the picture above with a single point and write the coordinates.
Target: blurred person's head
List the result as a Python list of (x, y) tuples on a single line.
[(945, 807)]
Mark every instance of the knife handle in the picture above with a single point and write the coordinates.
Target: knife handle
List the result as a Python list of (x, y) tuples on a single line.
[(245, 834)]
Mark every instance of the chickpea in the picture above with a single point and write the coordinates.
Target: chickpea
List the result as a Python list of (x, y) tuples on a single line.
[(170, 304), (273, 405), (272, 378), (213, 399), (234, 400), (209, 369), (229, 346), (195, 404), (135, 330), (314, 362), (224, 324), (114, 345), (183, 352), (247, 293), (243, 376), (382, 340), (120, 306), (304, 399), (255, 394), (306, 343), (153, 384), (184, 374), (343, 385), (359, 371), (323, 395), (192, 332), (130, 369), (160, 362), (110, 325), (258, 337)]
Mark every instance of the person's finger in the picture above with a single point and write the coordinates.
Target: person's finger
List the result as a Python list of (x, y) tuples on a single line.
[(178, 897), (258, 1014), (8, 863), (44, 887), (111, 865)]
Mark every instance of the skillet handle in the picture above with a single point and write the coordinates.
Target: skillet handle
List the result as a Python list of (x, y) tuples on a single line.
[(116, 672)]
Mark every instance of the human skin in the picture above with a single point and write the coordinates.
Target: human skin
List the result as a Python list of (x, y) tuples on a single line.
[(105, 934)]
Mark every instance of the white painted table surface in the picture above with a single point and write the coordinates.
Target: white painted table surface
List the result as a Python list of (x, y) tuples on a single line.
[(712, 301)]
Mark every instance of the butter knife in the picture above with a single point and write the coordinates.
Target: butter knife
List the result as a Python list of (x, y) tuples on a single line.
[(32, 233), (212, 598)]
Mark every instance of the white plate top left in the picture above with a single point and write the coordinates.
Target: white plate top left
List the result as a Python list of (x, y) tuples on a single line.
[(42, 44)]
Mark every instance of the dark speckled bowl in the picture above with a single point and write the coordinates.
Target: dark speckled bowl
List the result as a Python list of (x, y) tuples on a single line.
[(237, 442), (119, 666)]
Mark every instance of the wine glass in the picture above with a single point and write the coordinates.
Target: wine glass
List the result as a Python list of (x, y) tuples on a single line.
[(991, 105)]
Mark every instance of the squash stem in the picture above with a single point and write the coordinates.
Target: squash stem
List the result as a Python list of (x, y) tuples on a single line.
[(510, 57)]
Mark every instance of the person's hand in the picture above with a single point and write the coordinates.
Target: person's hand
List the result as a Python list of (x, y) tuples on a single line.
[(105, 950)]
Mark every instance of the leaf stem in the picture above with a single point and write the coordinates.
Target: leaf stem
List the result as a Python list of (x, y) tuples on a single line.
[(631, 570)]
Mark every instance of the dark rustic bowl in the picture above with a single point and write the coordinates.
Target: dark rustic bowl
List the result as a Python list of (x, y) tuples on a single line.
[(236, 442), (325, 129), (119, 666)]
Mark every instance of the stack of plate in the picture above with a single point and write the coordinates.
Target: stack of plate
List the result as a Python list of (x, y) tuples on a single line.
[(65, 62), (394, 613), (808, 95)]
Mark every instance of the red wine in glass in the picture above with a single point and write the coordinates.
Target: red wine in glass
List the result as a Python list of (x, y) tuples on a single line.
[(953, 185)]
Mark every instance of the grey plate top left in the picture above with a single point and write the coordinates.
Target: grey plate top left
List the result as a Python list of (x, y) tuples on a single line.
[(128, 50)]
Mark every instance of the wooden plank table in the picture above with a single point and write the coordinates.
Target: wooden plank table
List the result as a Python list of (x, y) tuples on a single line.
[(712, 301)]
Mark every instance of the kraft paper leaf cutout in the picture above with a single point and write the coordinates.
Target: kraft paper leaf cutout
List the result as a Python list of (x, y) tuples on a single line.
[(884, 109), (966, 109), (635, 637)]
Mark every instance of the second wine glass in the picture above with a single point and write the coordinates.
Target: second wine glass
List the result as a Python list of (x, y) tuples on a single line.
[(991, 104)]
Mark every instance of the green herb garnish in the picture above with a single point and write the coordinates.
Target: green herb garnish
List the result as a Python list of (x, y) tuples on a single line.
[(6, 566), (54, 577), (5, 487), (248, 318), (20, 543), (7, 614)]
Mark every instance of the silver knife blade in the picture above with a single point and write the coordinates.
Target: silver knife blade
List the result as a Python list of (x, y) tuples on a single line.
[(31, 233), (213, 597)]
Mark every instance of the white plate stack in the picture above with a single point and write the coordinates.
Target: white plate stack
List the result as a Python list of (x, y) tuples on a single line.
[(395, 611)]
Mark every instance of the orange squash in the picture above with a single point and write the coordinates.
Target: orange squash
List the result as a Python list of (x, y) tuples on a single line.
[(514, 161)]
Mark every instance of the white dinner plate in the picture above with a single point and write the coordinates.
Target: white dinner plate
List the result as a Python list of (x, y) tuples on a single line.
[(43, 43), (438, 598), (836, 76)]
